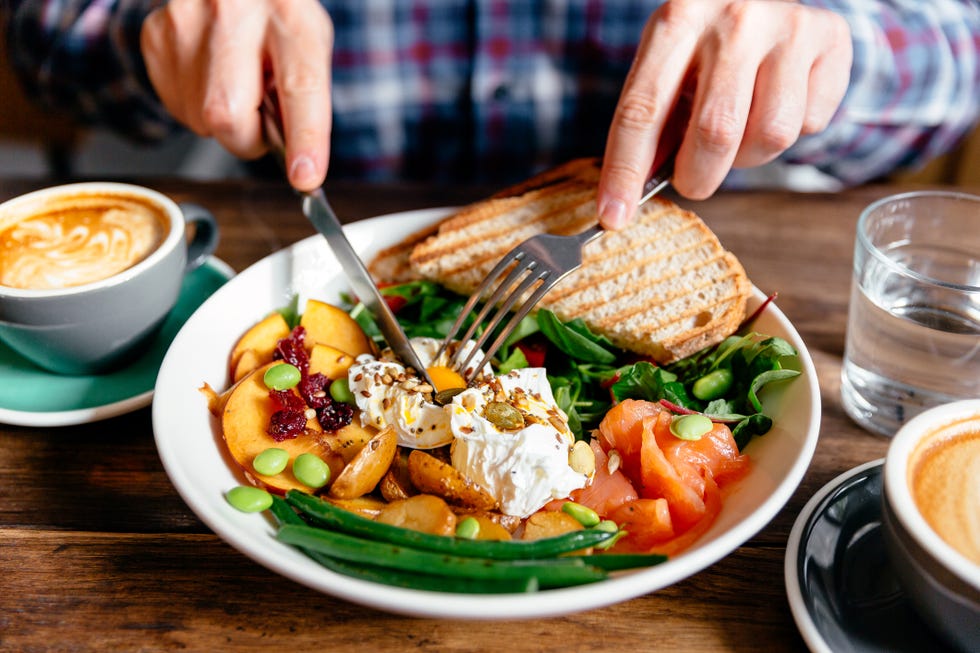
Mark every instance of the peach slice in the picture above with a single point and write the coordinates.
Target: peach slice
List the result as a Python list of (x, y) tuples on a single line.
[(329, 361), (257, 345), (326, 324), (244, 421)]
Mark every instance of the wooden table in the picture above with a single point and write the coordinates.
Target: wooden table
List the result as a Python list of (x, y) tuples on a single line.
[(98, 552)]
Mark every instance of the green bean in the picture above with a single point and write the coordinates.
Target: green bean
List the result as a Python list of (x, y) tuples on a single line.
[(282, 377), (553, 572), (713, 385), (249, 499), (271, 461), (284, 514), (342, 520), (309, 469), (618, 561), (609, 526), (428, 582), (340, 391)]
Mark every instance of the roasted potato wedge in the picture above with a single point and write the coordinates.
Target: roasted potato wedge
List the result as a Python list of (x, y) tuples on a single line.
[(368, 506), (423, 512), (365, 469), (549, 524), (349, 440), (509, 523), (397, 483), (490, 529), (431, 475)]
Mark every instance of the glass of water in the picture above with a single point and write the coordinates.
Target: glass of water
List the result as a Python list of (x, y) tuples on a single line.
[(913, 331)]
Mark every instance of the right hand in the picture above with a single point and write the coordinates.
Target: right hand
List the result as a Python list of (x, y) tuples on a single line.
[(208, 61)]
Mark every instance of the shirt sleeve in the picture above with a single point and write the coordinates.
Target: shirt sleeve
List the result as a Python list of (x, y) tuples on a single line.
[(914, 90), (83, 56)]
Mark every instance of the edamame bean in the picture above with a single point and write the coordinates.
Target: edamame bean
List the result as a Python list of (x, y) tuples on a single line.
[(690, 427), (249, 499), (340, 391), (713, 384), (309, 469), (582, 514), (607, 525), (468, 528), (282, 377), (271, 461)]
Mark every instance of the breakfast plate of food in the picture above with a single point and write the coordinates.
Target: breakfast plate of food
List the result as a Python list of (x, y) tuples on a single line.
[(573, 473)]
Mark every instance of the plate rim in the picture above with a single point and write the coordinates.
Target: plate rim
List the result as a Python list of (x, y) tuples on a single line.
[(422, 603), (91, 414), (808, 628)]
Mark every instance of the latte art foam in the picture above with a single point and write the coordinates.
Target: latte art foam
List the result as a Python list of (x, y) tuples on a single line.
[(78, 240), (944, 477)]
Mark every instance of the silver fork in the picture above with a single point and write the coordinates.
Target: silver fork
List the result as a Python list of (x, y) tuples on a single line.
[(539, 262)]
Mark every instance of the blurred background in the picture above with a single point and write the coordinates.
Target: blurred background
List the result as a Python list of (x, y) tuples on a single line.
[(34, 145)]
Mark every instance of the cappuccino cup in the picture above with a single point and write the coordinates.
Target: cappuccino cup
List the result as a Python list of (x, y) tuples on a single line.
[(931, 518), (89, 271)]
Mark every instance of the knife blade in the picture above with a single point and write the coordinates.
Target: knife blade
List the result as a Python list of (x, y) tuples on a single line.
[(317, 210)]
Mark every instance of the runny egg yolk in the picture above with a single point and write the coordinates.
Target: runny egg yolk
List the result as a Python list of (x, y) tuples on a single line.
[(445, 378)]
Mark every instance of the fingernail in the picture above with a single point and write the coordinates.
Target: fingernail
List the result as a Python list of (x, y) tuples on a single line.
[(612, 214), (302, 172)]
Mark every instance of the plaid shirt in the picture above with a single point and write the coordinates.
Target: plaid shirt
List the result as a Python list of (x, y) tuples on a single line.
[(465, 90)]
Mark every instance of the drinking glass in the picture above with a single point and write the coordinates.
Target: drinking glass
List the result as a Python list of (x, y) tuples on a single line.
[(913, 331)]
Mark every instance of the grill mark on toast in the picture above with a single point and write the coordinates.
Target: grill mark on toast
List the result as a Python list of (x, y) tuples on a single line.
[(482, 251), (650, 297), (643, 261)]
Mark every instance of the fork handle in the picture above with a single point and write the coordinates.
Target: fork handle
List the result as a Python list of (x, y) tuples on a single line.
[(659, 180)]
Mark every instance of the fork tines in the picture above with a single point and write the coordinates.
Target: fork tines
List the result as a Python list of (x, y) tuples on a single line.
[(507, 293)]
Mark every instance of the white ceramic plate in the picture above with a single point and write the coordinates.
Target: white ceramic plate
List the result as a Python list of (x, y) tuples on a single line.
[(190, 445)]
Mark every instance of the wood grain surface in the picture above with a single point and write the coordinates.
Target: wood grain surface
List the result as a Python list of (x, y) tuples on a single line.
[(99, 553)]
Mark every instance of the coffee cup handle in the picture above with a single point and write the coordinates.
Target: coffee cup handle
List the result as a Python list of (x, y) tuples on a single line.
[(205, 238)]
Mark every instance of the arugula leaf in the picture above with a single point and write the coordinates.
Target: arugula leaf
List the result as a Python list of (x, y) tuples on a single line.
[(764, 378), (751, 426), (517, 360), (574, 338)]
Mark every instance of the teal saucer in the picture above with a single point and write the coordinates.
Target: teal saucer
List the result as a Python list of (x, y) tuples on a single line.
[(31, 396)]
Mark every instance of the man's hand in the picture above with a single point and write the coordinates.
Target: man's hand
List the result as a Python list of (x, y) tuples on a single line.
[(208, 62), (754, 76)]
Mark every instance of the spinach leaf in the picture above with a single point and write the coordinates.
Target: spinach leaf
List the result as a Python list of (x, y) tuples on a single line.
[(645, 380)]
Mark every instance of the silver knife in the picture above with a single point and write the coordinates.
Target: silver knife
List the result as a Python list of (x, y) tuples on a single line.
[(317, 210)]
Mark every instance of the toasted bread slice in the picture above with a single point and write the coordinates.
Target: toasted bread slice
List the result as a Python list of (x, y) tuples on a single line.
[(664, 287)]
